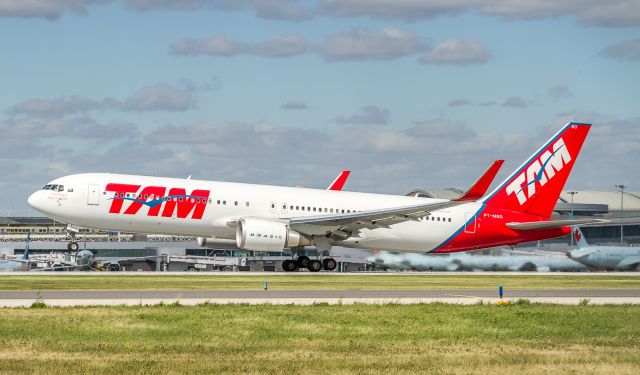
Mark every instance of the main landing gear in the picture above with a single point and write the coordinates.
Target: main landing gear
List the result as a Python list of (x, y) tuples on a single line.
[(313, 265)]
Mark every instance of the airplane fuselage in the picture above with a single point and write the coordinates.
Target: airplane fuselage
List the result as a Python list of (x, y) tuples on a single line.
[(199, 208)]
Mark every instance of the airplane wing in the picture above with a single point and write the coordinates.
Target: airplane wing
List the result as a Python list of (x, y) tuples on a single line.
[(339, 182), (551, 224), (353, 222)]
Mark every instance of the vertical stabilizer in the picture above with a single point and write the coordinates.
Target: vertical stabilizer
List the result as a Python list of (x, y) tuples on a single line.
[(579, 238), (535, 186)]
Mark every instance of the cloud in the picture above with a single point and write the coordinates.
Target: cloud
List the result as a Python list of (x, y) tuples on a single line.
[(55, 107), (560, 92), (628, 50), (160, 97), (220, 45), (281, 10), (458, 103), (457, 52), (368, 115), (48, 9), (184, 5), (410, 10), (612, 13), (78, 127), (357, 44), (514, 102), (362, 44), (293, 105), (157, 97), (287, 10)]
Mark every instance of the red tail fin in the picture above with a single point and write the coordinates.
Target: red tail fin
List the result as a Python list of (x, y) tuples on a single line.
[(535, 186)]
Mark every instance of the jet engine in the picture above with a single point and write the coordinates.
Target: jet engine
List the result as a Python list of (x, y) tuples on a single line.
[(267, 235), (216, 243)]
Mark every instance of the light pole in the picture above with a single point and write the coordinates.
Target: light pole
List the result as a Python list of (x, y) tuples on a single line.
[(621, 187), (572, 193)]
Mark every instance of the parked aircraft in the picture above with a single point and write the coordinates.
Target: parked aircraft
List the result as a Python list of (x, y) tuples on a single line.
[(506, 261), (272, 218), (24, 264), (623, 258)]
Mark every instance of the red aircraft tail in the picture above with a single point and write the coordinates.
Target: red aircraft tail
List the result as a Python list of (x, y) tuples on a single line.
[(535, 186)]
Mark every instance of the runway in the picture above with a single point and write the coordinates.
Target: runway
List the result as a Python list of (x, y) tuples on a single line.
[(306, 297)]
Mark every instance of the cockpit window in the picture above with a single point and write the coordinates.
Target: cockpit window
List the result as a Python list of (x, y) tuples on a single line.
[(60, 187), (46, 187), (54, 187)]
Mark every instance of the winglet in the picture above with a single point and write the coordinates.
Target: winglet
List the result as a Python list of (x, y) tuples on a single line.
[(477, 190), (339, 182)]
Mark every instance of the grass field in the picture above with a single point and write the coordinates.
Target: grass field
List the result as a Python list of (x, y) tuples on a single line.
[(313, 282), (365, 339)]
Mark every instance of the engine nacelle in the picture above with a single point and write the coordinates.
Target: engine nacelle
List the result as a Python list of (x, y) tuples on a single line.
[(267, 235), (216, 243)]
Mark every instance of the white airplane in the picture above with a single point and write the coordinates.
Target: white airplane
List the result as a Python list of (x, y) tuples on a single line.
[(624, 258), (272, 218)]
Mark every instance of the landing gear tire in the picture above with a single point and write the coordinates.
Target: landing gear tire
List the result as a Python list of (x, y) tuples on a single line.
[(329, 264), (314, 265), (73, 246), (289, 265), (303, 262), (114, 267)]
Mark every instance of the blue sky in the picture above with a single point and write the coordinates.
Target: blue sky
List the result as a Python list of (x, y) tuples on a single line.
[(405, 93)]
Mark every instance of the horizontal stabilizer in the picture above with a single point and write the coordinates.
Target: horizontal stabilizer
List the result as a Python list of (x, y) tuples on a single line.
[(536, 225), (477, 190)]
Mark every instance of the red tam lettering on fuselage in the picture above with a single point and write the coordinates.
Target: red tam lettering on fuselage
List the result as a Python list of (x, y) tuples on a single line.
[(120, 191), (154, 197), (196, 202), (153, 192)]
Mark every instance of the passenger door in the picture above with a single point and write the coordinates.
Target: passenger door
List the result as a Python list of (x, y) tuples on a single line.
[(93, 195)]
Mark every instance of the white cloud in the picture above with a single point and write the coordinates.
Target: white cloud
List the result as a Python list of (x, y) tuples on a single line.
[(160, 97), (364, 45), (628, 50), (353, 45), (288, 10), (397, 9), (457, 52), (368, 115), (49, 9), (220, 45)]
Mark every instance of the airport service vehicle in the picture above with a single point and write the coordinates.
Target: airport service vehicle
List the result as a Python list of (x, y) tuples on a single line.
[(623, 258), (272, 218)]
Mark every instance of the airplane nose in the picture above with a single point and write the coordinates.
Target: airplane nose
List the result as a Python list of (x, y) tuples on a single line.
[(33, 200)]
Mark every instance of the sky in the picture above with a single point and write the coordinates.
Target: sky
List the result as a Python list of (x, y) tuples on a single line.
[(405, 93)]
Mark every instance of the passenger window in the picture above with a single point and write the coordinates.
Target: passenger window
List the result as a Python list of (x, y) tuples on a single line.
[(308, 208), (438, 218), (291, 208), (297, 208), (247, 204), (218, 201), (325, 209), (449, 219), (273, 205), (314, 209), (70, 190), (224, 203), (235, 203)]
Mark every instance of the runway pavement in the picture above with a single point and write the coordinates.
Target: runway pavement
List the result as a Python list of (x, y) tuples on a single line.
[(305, 297)]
